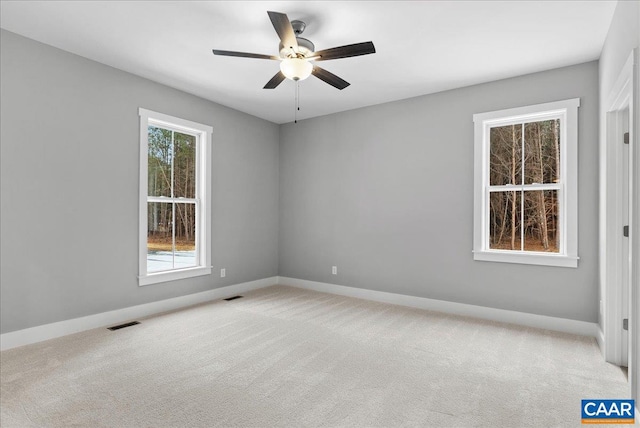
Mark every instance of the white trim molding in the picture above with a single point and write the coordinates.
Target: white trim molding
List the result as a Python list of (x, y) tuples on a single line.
[(51, 331), (202, 200), (634, 332), (566, 112), (564, 325), (600, 340), (612, 211)]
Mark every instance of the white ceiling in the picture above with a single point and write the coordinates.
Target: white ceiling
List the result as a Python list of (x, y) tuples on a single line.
[(422, 46)]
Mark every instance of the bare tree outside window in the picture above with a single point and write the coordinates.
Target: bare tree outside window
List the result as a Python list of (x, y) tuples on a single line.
[(171, 225), (522, 158)]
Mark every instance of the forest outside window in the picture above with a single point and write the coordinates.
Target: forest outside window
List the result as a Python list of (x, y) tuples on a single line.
[(525, 199), (175, 221)]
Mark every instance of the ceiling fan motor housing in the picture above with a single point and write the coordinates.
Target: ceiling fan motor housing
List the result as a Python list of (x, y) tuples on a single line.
[(298, 27), (305, 47)]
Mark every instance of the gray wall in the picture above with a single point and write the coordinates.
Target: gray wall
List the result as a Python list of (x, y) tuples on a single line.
[(386, 194), (69, 187)]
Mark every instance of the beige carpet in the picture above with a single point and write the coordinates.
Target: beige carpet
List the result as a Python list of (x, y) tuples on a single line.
[(282, 356)]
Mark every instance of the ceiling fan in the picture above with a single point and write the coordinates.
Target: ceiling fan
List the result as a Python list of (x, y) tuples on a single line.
[(297, 52)]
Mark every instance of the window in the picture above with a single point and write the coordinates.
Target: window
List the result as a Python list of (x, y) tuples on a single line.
[(525, 190), (175, 222)]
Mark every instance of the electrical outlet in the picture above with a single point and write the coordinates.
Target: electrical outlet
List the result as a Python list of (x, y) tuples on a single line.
[(223, 272), (334, 270)]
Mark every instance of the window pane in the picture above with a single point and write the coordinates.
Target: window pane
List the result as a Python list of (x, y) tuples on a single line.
[(542, 151), (159, 157), (505, 158), (185, 255), (504, 220), (159, 236), (184, 166), (541, 221)]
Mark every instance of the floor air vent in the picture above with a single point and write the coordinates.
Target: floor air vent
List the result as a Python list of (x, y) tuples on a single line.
[(233, 298), (118, 327)]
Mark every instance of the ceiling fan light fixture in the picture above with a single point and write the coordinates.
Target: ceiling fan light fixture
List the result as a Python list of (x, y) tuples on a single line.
[(296, 68), (296, 53)]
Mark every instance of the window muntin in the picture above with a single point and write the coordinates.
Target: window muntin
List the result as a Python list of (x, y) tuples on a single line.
[(174, 220), (525, 203)]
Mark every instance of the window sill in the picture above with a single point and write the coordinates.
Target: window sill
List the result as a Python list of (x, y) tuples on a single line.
[(543, 259), (173, 275)]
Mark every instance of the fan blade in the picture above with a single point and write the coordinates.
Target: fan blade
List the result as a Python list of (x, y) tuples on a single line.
[(275, 81), (284, 29), (329, 78), (347, 51), (244, 54)]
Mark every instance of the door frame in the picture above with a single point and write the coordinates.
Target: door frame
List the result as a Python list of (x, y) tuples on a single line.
[(621, 97), (634, 154)]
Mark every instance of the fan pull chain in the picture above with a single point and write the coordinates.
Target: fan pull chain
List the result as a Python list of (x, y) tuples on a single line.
[(297, 101)]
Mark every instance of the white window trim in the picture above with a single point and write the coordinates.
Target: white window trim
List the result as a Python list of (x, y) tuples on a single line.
[(203, 194), (567, 111)]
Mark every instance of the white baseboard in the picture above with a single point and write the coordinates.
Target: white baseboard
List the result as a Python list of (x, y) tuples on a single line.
[(600, 339), (520, 318), (51, 331)]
